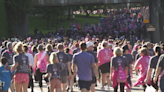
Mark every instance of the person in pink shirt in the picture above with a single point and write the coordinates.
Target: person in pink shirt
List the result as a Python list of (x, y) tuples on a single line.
[(104, 57), (142, 64)]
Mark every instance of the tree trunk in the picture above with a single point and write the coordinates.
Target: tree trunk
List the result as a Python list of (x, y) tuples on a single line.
[(48, 18), (52, 20), (61, 18), (57, 19), (69, 13)]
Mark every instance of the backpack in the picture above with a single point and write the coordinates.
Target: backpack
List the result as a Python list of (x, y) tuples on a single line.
[(121, 77), (41, 64)]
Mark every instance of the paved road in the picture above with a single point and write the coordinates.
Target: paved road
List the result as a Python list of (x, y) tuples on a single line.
[(135, 89)]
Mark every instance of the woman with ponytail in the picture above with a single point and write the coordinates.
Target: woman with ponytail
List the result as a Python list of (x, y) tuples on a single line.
[(152, 67), (53, 71)]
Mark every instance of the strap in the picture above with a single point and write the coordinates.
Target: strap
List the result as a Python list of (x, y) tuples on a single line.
[(44, 53)]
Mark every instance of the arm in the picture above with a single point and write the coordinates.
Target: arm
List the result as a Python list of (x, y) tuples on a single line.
[(69, 67), (131, 70), (157, 71), (74, 68), (126, 71), (47, 75), (35, 62), (149, 71), (95, 69), (14, 66)]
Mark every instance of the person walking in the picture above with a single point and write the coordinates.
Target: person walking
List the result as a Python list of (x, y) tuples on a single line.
[(81, 64)]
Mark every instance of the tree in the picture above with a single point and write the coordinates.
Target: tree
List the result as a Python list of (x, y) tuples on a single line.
[(17, 11)]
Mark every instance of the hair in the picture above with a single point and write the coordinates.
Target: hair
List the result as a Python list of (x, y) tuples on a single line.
[(66, 50), (144, 51), (60, 46), (53, 58), (157, 49), (40, 47), (83, 45), (4, 60), (49, 47), (117, 51), (9, 45), (104, 44), (25, 47), (19, 47), (76, 45), (34, 48)]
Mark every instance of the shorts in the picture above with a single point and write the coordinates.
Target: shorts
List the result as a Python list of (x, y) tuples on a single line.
[(21, 78), (93, 80), (55, 83), (6, 86), (84, 84), (105, 68), (63, 79)]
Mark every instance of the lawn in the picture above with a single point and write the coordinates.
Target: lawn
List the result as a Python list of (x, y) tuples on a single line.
[(41, 23)]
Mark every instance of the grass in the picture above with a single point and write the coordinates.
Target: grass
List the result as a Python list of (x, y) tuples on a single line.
[(41, 23)]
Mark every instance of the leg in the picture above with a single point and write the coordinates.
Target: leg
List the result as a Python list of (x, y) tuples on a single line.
[(103, 79), (12, 86), (93, 88), (107, 78), (57, 90), (25, 86), (71, 83), (51, 88), (115, 89), (63, 87), (122, 85), (84, 90), (18, 87)]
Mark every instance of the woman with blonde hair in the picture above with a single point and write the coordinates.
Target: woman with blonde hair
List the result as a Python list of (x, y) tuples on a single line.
[(119, 68), (53, 71), (142, 64), (49, 49), (21, 66)]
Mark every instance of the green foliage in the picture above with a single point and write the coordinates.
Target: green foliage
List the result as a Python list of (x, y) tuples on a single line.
[(3, 20), (15, 14)]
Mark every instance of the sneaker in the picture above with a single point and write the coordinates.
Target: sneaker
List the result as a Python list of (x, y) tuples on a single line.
[(48, 89), (102, 88), (67, 88)]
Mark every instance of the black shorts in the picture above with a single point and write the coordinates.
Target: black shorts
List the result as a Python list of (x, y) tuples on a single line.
[(93, 80), (105, 68), (84, 84)]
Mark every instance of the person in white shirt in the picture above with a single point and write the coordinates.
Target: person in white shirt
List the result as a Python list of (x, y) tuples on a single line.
[(31, 63)]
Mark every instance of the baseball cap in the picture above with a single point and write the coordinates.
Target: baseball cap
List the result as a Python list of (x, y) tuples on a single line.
[(89, 44)]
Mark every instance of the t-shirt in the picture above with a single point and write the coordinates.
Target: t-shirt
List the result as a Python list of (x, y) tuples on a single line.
[(23, 63), (9, 56), (119, 60), (143, 63), (151, 52), (84, 60), (161, 62), (95, 58), (153, 62), (5, 75), (54, 70), (134, 53), (63, 59), (104, 56), (76, 50), (129, 59)]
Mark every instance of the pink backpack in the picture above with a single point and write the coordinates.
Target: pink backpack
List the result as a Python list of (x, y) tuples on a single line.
[(41, 64), (121, 77)]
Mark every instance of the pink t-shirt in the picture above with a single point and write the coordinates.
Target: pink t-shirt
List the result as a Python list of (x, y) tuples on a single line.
[(104, 56), (143, 63)]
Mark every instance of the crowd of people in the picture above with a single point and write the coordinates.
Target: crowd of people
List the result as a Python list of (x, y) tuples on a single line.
[(119, 24), (85, 57), (81, 63)]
